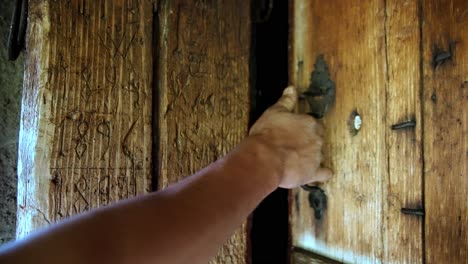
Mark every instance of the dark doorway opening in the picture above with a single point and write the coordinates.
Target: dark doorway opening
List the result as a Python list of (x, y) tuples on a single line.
[(269, 233)]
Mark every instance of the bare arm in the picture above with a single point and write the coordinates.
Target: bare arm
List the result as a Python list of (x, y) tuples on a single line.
[(190, 220)]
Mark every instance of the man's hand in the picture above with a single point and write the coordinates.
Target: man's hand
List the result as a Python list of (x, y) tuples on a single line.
[(283, 146), (295, 138)]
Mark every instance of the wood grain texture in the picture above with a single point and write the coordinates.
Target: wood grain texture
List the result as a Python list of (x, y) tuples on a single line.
[(403, 234), (446, 131), (351, 36), (85, 136), (203, 86), (300, 256), (424, 167)]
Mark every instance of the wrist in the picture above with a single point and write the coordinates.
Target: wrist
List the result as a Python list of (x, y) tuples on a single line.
[(265, 159)]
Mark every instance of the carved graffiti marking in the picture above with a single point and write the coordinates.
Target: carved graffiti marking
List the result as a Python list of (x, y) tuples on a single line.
[(133, 87), (204, 103), (83, 127), (88, 89), (81, 145), (80, 149), (119, 45), (224, 66), (103, 187), (81, 203), (224, 107), (125, 145), (94, 187), (91, 131), (179, 84), (197, 64), (104, 129), (96, 76)]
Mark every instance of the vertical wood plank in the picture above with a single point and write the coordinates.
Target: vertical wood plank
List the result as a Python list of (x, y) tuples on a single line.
[(351, 36), (403, 187), (85, 136), (446, 130), (203, 85)]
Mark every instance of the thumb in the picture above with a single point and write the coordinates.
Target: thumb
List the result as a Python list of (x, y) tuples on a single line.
[(322, 175), (287, 102)]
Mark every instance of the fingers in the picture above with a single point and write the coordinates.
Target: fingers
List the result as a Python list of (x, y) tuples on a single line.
[(288, 100)]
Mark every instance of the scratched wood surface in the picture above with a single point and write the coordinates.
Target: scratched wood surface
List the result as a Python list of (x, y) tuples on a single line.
[(381, 56), (403, 237), (203, 86), (85, 136), (351, 36), (446, 130)]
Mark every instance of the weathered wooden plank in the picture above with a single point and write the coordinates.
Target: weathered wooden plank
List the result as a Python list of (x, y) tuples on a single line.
[(300, 256), (445, 67), (351, 36), (403, 187), (203, 81), (85, 136)]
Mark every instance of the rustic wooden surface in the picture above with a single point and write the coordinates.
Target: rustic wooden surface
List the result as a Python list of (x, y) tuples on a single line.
[(203, 86), (300, 256), (85, 136), (403, 237), (351, 36), (381, 56), (446, 131)]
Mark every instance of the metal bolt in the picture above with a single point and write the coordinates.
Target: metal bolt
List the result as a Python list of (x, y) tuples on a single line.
[(354, 122), (407, 124), (357, 122), (413, 211)]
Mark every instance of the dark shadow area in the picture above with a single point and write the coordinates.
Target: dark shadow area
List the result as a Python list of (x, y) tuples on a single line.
[(11, 81), (269, 230)]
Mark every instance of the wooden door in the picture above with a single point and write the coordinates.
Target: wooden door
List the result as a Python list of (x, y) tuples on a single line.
[(203, 92), (125, 97), (397, 136)]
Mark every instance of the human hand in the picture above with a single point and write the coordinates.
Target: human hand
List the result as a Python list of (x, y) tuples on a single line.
[(295, 138)]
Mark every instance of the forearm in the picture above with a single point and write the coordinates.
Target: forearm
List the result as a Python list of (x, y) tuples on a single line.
[(185, 223), (233, 188), (189, 221)]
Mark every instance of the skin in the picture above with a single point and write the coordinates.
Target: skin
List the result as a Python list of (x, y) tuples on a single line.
[(190, 220)]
